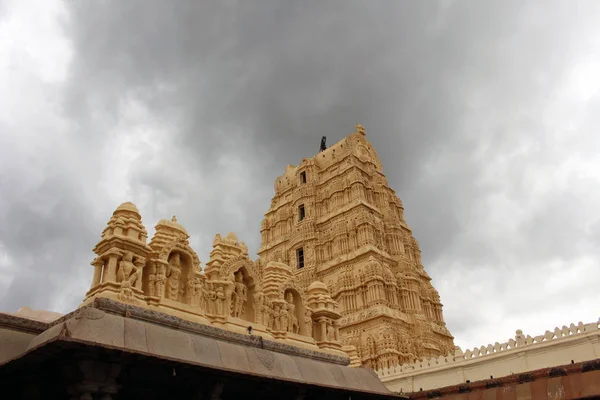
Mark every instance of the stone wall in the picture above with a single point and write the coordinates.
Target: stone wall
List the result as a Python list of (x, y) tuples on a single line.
[(572, 381), (522, 354)]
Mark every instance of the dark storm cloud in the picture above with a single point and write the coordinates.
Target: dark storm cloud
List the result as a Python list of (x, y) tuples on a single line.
[(284, 75), (454, 96)]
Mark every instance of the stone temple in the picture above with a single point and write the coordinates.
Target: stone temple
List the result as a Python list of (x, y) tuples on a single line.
[(338, 292), (335, 219), (155, 323)]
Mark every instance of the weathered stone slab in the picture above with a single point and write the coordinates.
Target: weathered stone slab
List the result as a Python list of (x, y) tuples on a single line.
[(314, 372), (207, 351), (234, 357), (289, 366), (358, 379), (135, 335), (46, 336), (338, 375), (169, 343), (97, 326), (264, 362)]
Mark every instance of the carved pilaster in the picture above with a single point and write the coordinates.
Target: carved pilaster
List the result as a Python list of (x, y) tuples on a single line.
[(98, 264)]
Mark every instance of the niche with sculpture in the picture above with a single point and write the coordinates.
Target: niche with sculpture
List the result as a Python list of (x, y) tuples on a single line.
[(173, 277), (242, 295), (296, 313)]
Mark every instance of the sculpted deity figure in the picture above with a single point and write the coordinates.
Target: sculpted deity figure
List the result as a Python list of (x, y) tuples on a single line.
[(220, 293), (267, 313), (161, 278), (259, 299), (152, 280), (126, 267), (276, 317), (173, 283), (330, 331), (173, 275), (240, 297), (336, 329), (211, 300), (194, 291), (284, 318)]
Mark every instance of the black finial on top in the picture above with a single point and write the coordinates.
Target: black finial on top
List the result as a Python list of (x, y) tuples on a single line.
[(323, 145)]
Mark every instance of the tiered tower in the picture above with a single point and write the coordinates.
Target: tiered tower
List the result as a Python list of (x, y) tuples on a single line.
[(335, 219)]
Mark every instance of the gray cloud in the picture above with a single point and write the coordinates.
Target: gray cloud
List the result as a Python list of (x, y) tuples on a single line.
[(194, 110)]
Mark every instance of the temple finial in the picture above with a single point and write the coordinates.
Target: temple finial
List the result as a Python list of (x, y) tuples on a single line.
[(360, 129), (174, 219)]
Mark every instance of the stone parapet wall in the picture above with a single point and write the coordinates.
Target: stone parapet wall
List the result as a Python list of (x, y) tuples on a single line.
[(575, 343), (572, 381)]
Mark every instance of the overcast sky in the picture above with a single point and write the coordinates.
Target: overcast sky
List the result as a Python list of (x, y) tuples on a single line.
[(486, 115)]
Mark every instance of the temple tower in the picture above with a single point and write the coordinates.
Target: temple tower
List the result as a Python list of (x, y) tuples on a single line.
[(335, 219)]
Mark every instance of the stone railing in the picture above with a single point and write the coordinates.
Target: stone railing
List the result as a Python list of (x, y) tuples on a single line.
[(517, 345)]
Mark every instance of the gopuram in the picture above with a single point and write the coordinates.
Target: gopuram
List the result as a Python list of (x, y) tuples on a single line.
[(335, 219)]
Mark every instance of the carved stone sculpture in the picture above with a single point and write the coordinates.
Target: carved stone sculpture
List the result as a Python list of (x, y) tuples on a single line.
[(173, 276), (240, 296)]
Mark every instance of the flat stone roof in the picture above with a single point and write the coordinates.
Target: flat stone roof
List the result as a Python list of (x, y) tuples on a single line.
[(113, 325)]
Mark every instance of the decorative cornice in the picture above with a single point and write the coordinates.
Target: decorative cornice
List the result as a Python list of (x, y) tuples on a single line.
[(21, 324)]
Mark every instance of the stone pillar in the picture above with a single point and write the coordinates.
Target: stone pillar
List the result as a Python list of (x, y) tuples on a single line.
[(140, 264), (323, 327), (98, 264)]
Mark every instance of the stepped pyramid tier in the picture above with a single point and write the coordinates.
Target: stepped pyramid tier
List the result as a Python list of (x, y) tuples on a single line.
[(335, 219)]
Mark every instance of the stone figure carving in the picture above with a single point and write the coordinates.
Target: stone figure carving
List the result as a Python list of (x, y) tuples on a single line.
[(152, 280), (211, 301), (330, 331), (128, 275), (194, 291), (276, 325), (126, 267), (259, 299), (161, 279), (267, 313), (173, 275), (173, 284), (308, 323), (293, 324), (240, 296), (284, 317), (220, 300)]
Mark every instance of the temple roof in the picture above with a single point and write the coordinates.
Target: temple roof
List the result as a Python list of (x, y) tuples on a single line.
[(116, 326)]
